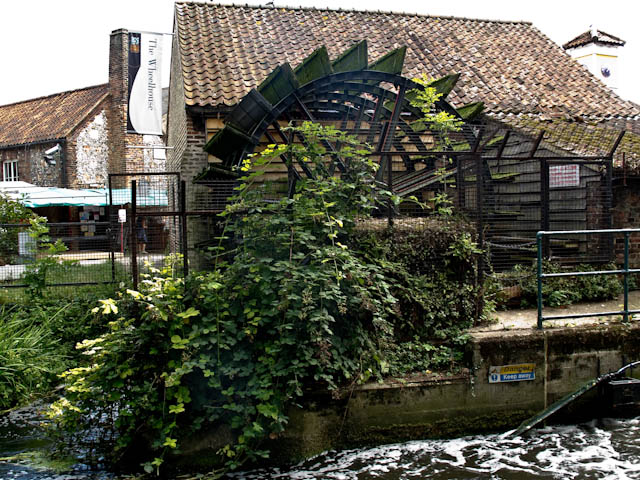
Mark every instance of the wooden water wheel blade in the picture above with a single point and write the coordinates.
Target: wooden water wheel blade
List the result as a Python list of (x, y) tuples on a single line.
[(392, 62), (355, 58), (314, 66), (226, 143), (445, 84), (249, 112), (470, 110), (280, 83)]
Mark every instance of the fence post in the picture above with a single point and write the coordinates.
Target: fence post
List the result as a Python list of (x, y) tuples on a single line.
[(132, 236), (390, 187), (183, 224), (544, 197), (480, 207), (608, 206), (539, 278), (625, 317), (110, 233)]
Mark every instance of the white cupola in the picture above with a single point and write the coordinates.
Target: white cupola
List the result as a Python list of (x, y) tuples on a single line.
[(598, 51)]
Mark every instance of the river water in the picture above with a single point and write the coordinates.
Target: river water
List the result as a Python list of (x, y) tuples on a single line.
[(601, 449)]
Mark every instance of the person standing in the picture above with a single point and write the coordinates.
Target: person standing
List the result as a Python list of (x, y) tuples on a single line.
[(141, 234)]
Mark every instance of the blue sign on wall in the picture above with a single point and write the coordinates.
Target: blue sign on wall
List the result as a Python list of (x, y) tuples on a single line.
[(512, 373)]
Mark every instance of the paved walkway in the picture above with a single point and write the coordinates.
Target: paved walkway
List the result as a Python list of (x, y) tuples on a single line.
[(528, 318)]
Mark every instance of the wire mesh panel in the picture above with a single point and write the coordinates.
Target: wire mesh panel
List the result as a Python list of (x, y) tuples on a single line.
[(148, 230), (211, 195), (157, 191), (87, 259)]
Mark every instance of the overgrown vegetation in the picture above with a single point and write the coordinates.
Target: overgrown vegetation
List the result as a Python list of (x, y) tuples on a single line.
[(40, 327), (11, 212), (435, 255), (37, 342), (29, 359), (558, 291), (295, 301)]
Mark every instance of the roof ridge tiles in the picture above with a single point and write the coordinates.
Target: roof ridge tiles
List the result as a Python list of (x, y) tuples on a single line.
[(511, 66), (354, 10), (51, 95)]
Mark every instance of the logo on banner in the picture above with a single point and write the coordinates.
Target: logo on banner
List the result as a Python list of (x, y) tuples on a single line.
[(145, 86)]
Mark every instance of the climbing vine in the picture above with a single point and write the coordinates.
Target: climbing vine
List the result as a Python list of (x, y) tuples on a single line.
[(288, 305), (291, 303)]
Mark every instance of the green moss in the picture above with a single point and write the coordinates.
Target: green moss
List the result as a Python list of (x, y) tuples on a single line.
[(446, 428), (40, 460)]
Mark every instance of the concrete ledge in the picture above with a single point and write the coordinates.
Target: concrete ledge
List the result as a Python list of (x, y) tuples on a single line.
[(446, 406), (467, 403)]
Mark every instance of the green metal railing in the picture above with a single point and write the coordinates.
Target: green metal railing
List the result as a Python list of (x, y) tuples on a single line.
[(626, 271)]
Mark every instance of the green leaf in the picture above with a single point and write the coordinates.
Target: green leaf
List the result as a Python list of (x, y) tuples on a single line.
[(190, 312), (170, 442)]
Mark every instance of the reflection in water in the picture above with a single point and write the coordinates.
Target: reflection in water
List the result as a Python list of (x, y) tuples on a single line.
[(602, 449)]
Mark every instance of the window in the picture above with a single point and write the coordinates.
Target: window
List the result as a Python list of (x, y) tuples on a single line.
[(10, 171)]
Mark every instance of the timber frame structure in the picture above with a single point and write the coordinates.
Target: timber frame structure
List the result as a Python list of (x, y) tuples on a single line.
[(510, 182)]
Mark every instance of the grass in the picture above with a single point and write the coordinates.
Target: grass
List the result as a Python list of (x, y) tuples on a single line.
[(101, 273), (38, 336), (29, 355)]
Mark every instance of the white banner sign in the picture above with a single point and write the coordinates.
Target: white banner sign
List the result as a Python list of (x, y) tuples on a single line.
[(145, 86), (564, 176)]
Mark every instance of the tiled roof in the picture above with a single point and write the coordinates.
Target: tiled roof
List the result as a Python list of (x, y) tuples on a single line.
[(510, 66), (601, 38), (50, 117)]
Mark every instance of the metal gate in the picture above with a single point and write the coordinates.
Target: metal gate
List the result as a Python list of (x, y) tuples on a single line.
[(147, 220)]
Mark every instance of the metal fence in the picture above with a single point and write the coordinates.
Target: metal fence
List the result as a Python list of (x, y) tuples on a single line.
[(89, 257), (507, 184), (542, 239), (145, 212)]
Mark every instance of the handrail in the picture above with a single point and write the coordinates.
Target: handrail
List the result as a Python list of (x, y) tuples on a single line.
[(625, 271)]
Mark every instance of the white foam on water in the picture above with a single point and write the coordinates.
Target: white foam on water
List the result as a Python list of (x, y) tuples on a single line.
[(606, 449)]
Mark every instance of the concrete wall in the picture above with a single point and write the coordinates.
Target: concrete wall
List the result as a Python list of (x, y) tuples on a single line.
[(565, 360), (596, 58), (436, 406)]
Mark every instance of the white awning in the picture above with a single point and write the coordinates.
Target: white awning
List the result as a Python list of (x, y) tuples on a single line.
[(33, 196)]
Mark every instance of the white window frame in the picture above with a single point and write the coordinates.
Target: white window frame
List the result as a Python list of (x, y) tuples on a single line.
[(10, 171)]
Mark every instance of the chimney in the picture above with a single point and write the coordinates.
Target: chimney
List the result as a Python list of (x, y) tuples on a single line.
[(118, 88)]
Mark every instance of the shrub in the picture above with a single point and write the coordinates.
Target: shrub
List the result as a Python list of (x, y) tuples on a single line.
[(290, 305), (561, 291), (11, 212), (238, 345), (424, 256)]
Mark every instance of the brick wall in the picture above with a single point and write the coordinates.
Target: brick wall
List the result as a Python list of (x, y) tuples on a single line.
[(186, 132), (32, 167), (117, 111), (176, 116), (626, 214)]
